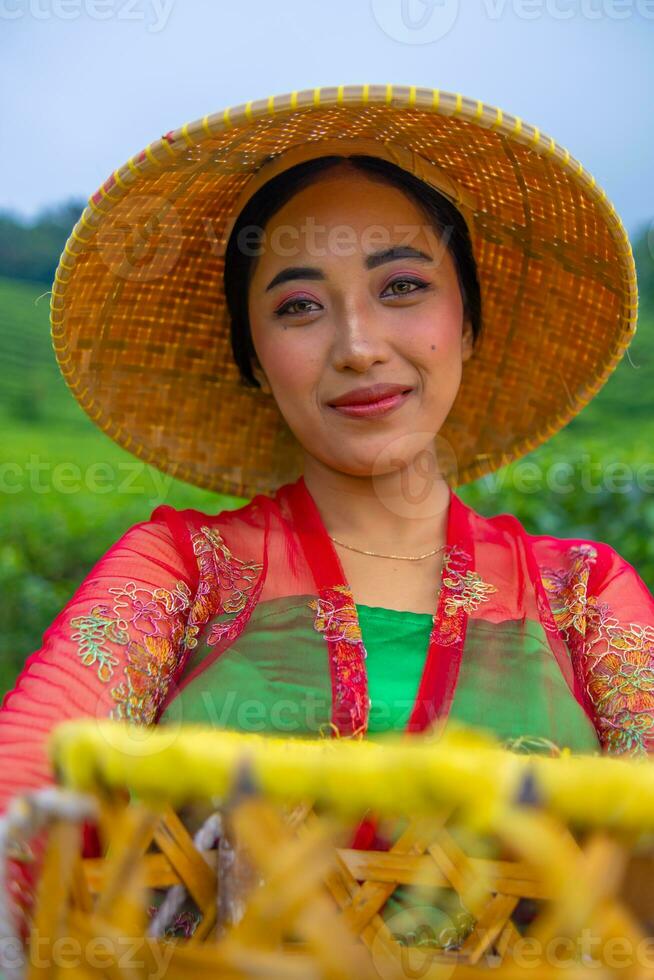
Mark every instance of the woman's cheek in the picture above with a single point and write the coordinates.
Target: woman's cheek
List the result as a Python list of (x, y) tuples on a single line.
[(295, 376), (280, 363), (294, 382)]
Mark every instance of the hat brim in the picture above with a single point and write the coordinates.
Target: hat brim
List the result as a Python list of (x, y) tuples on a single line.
[(141, 331)]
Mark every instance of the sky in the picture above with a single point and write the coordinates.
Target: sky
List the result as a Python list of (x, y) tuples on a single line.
[(85, 84)]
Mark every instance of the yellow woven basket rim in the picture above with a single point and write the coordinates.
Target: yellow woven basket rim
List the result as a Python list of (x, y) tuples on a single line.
[(465, 767)]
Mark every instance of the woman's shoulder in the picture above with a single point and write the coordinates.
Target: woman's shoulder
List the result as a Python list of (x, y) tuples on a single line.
[(598, 564), (604, 611), (248, 512), (231, 534), (571, 555)]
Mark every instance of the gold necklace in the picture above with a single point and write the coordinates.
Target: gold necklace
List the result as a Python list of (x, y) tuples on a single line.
[(377, 555)]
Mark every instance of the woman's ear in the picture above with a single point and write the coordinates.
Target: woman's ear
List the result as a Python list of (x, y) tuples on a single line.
[(468, 340)]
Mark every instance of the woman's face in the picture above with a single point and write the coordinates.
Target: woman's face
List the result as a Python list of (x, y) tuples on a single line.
[(340, 299)]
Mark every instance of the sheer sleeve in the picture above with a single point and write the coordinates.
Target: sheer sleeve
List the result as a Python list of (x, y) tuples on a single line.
[(618, 653), (605, 612), (111, 652)]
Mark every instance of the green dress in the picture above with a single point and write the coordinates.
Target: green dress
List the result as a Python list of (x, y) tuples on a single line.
[(396, 642), (509, 681), (516, 707), (249, 687)]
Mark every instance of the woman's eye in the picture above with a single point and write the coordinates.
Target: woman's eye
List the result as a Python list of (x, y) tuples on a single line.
[(418, 283), (303, 305), (285, 308)]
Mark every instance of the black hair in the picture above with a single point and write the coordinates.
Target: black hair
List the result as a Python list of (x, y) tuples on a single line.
[(270, 198)]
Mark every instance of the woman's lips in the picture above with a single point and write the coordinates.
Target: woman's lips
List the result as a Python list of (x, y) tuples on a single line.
[(373, 409)]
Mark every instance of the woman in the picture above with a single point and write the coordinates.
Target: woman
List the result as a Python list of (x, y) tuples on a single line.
[(353, 300)]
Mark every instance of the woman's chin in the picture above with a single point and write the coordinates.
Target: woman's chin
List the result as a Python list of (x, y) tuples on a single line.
[(378, 462)]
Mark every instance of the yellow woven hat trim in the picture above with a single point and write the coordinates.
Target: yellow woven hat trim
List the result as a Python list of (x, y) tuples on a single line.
[(139, 322)]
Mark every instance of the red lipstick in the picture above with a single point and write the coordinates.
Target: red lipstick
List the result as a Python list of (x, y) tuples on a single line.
[(371, 401)]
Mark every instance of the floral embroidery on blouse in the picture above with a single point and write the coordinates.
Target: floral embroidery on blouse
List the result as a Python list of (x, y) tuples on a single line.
[(147, 610), (567, 588), (614, 660), (232, 577), (168, 623), (225, 575), (462, 591), (336, 615), (620, 671), (95, 631), (150, 667), (336, 618)]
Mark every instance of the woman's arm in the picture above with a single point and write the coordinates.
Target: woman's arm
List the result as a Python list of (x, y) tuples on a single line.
[(605, 612), (618, 653), (111, 651)]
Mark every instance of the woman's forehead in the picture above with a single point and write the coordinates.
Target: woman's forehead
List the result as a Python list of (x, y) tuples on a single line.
[(338, 194), (368, 232)]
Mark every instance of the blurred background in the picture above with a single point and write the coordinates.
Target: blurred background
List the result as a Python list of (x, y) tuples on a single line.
[(88, 83)]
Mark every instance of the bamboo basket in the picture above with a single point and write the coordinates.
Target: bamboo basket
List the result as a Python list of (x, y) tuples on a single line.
[(227, 855)]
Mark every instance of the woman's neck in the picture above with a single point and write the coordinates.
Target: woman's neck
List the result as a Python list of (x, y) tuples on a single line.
[(392, 513)]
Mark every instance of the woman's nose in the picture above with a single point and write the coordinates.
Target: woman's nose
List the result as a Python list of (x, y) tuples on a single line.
[(359, 340)]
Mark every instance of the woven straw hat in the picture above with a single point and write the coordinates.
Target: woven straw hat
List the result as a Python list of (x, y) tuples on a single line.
[(139, 321)]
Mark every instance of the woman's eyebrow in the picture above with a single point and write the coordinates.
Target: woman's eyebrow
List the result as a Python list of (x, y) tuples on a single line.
[(295, 272), (372, 261), (396, 252)]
